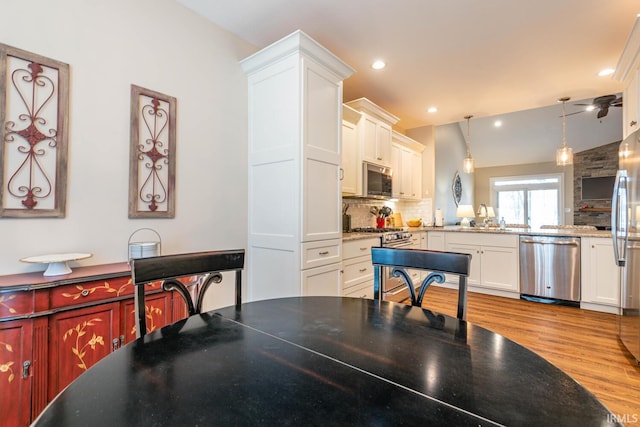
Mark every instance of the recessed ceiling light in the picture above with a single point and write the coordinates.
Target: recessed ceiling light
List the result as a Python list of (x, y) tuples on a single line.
[(606, 72), (497, 123), (432, 110), (378, 65)]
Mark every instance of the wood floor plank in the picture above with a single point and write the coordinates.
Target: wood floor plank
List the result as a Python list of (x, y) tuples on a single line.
[(582, 343)]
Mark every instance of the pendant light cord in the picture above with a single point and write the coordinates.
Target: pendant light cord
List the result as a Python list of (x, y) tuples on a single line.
[(468, 134)]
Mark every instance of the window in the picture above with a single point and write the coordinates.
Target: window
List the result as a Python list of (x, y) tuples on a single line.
[(535, 200)]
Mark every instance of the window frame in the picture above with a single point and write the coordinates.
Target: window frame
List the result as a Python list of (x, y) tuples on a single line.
[(559, 185)]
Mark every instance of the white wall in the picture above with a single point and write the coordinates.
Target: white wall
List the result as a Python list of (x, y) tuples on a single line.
[(159, 45), (450, 151)]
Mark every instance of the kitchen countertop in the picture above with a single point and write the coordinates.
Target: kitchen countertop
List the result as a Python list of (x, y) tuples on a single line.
[(493, 230)]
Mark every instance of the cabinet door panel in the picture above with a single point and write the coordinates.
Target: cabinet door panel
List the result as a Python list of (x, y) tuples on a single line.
[(15, 389), (368, 137), (321, 281), (474, 251), (383, 144), (79, 339), (350, 165), (500, 268)]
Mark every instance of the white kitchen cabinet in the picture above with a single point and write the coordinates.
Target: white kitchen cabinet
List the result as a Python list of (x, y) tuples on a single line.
[(627, 71), (294, 137), (435, 240), (494, 261), (351, 158), (374, 131), (600, 286), (631, 95), (321, 281), (406, 163), (357, 269)]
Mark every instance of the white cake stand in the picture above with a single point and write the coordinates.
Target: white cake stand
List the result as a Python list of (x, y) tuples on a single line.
[(58, 263)]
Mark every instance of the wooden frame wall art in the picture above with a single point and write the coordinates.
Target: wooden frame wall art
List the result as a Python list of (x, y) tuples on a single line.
[(34, 112), (152, 160)]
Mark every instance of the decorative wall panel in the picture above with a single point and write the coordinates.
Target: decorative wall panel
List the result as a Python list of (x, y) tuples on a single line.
[(152, 159), (34, 111)]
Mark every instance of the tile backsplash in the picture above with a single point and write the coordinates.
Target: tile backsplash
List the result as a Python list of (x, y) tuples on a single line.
[(359, 209)]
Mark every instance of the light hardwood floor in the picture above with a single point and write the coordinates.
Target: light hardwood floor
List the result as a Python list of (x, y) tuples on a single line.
[(582, 343)]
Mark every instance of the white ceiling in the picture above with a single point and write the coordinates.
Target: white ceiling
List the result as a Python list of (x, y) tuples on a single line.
[(484, 58)]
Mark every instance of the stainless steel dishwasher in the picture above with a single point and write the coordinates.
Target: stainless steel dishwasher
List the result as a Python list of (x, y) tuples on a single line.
[(550, 269)]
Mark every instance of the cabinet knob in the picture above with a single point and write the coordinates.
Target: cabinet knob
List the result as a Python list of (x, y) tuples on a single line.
[(362, 270), (632, 123), (115, 344), (323, 253), (84, 292)]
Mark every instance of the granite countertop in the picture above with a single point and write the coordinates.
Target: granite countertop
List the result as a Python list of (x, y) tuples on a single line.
[(492, 230)]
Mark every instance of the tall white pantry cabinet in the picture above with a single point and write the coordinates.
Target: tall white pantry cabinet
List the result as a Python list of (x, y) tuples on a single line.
[(295, 119)]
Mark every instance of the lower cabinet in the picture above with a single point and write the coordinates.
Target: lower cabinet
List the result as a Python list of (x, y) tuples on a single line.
[(15, 372), (51, 334), (78, 339), (320, 268), (357, 269), (494, 261), (600, 286), (321, 281)]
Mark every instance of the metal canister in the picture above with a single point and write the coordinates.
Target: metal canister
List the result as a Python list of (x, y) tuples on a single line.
[(144, 249)]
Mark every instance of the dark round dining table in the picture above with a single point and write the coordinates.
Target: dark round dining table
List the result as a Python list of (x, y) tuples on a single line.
[(324, 361)]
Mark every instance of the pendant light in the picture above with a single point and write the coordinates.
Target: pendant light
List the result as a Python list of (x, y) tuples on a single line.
[(564, 155), (468, 163)]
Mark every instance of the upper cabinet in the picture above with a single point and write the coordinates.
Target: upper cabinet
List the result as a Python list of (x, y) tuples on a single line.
[(366, 137), (374, 131), (406, 164), (628, 71), (351, 174)]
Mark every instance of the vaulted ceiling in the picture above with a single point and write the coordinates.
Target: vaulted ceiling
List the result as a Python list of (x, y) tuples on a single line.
[(484, 58)]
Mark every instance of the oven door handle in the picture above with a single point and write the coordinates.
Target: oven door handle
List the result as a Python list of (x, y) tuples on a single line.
[(399, 244)]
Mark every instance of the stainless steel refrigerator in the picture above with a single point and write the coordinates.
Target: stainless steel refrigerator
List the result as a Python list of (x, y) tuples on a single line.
[(625, 230)]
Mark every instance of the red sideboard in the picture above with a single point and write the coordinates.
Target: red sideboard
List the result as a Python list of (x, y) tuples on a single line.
[(52, 329)]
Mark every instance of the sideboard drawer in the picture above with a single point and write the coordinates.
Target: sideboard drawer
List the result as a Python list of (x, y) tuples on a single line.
[(17, 303), (82, 293)]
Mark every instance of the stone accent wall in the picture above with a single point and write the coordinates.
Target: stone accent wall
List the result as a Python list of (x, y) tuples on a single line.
[(599, 161)]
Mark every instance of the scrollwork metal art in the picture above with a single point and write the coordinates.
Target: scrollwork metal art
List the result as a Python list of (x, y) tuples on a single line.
[(152, 161), (33, 112)]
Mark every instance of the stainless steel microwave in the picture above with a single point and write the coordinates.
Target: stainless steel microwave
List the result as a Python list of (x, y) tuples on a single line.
[(377, 181)]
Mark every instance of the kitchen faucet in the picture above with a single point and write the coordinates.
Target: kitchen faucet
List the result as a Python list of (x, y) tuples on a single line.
[(484, 212)]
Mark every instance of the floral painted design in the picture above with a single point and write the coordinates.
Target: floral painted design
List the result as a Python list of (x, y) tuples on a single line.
[(3, 303), (6, 367), (149, 312), (105, 287), (80, 348)]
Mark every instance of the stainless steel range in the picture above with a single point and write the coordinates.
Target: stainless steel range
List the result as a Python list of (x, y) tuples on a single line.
[(390, 238)]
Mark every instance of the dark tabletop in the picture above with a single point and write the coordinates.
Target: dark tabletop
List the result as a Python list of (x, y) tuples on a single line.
[(324, 361)]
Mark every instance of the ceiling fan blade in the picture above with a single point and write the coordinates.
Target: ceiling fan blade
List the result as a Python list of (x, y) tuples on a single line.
[(603, 112), (571, 114)]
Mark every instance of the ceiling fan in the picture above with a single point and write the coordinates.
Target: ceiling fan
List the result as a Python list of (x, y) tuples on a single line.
[(602, 103)]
